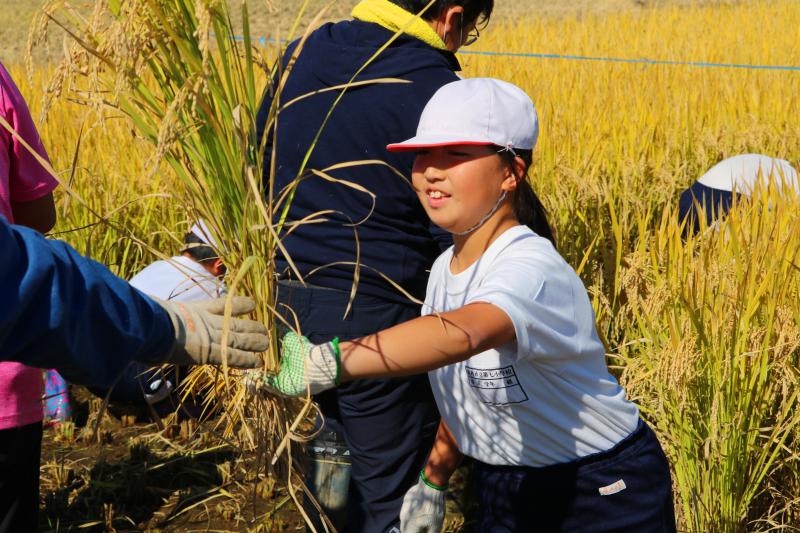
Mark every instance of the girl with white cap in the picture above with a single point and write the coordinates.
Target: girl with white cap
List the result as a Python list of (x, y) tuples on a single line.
[(509, 341)]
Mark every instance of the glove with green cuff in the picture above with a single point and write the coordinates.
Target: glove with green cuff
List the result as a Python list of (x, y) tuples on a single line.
[(423, 507), (304, 366), (199, 328)]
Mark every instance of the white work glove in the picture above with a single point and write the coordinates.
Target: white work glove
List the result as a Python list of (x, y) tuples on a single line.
[(423, 508), (304, 366), (198, 330)]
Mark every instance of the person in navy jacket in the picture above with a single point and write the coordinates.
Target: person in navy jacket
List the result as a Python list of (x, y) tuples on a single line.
[(382, 427)]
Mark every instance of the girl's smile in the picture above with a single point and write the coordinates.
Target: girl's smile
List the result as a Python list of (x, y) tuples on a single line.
[(436, 198)]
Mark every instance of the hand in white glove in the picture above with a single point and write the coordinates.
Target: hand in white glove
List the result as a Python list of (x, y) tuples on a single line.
[(423, 508), (304, 366), (199, 327)]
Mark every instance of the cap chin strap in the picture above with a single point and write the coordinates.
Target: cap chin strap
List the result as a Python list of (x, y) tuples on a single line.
[(509, 148), (484, 219)]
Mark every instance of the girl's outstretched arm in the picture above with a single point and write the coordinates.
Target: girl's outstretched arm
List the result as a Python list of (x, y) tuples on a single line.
[(426, 343), (413, 347)]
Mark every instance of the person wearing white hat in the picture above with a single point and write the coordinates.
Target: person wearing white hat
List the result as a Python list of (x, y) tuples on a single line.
[(711, 196), (509, 341), (194, 275)]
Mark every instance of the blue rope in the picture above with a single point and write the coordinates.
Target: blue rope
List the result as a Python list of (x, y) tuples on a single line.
[(261, 40), (642, 61)]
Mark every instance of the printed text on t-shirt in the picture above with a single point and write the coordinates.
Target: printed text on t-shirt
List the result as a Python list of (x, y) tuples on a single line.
[(496, 386)]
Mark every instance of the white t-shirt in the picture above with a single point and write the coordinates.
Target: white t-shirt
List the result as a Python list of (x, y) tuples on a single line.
[(180, 279), (547, 397)]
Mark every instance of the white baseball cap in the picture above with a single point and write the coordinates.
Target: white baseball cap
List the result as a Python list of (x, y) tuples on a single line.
[(200, 229), (742, 172), (476, 111)]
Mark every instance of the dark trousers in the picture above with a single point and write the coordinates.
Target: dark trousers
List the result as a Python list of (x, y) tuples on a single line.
[(388, 425), (625, 489), (20, 450)]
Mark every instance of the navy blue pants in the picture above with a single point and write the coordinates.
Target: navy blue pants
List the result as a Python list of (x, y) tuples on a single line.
[(388, 425), (20, 449), (626, 489)]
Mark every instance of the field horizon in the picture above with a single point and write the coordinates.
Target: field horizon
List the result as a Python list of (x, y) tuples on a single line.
[(270, 19)]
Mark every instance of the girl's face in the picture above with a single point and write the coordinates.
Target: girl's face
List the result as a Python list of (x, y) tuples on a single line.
[(458, 185)]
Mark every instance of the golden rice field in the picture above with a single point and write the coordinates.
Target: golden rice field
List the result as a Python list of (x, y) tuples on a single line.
[(704, 331)]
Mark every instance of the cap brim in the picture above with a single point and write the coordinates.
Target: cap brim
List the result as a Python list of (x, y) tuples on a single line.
[(432, 141)]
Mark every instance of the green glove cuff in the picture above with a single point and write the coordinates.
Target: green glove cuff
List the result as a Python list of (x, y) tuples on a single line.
[(337, 354), (430, 483)]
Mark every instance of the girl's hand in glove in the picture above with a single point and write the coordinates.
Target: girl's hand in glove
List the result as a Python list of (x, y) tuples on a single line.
[(423, 508), (198, 328), (304, 366)]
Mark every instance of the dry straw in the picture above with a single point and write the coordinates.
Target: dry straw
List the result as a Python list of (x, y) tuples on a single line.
[(194, 100)]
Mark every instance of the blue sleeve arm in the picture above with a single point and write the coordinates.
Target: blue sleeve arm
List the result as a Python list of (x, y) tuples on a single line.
[(60, 310)]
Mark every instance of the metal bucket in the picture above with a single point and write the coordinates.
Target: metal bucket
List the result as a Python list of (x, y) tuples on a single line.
[(328, 479)]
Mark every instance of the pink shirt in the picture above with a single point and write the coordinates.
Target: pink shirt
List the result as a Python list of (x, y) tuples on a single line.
[(22, 179)]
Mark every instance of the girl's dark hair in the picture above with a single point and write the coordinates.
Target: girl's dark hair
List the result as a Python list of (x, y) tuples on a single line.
[(527, 207), (199, 250), (475, 11)]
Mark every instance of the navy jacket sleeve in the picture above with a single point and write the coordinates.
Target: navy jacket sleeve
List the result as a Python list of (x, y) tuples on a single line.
[(60, 310)]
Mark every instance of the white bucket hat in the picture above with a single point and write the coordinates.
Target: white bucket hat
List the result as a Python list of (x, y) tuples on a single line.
[(741, 173), (476, 111), (200, 229)]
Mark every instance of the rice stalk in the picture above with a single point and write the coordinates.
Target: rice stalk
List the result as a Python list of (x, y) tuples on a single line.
[(194, 100), (720, 316)]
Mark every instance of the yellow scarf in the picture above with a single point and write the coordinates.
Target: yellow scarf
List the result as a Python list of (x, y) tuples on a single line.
[(395, 18)]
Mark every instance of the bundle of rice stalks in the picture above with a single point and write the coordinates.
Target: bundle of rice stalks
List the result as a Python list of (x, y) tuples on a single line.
[(190, 81)]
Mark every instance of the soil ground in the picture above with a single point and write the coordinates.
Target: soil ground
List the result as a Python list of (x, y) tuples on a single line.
[(125, 473)]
